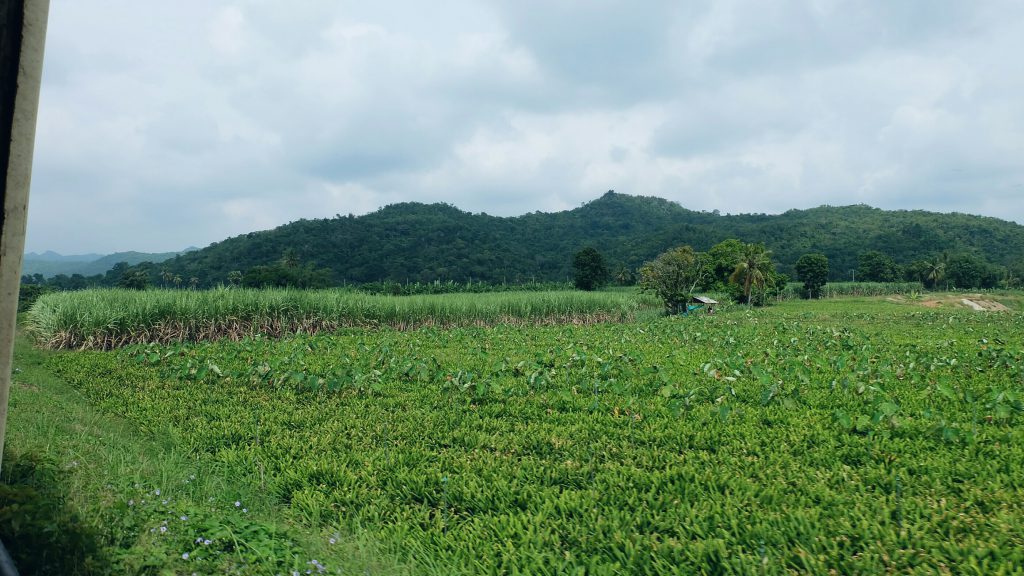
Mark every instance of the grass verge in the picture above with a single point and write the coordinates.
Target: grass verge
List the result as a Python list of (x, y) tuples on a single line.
[(84, 492)]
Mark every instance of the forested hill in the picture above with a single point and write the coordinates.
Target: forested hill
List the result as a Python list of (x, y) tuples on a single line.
[(418, 242)]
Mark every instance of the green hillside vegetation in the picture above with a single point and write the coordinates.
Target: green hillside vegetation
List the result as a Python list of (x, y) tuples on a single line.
[(412, 242)]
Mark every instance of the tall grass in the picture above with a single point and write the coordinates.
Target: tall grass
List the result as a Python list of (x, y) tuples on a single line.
[(105, 319), (795, 290), (837, 289)]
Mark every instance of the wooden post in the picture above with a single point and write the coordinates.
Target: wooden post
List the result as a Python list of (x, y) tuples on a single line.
[(22, 37)]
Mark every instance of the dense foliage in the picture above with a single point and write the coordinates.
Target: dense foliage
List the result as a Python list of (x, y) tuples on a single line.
[(589, 269), (754, 271), (812, 269), (411, 243), (874, 266), (848, 438), (745, 272), (283, 275), (673, 276)]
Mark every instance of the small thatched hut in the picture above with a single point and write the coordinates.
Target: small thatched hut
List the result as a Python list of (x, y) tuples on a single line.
[(701, 302)]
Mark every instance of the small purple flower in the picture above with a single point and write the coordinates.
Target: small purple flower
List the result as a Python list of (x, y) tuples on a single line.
[(184, 556)]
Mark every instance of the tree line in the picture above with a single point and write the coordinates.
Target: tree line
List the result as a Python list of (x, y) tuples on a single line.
[(743, 271), (413, 243), (733, 267)]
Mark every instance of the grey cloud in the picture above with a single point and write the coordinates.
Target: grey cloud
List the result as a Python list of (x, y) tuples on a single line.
[(595, 54), (175, 124)]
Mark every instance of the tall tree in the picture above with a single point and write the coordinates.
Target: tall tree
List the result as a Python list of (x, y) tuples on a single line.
[(813, 270), (724, 257), (589, 269), (134, 280), (969, 271), (290, 258), (625, 276), (935, 271), (753, 269), (674, 275), (874, 266)]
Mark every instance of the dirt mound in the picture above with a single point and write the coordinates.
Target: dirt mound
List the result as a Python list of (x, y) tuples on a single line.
[(975, 302), (983, 305)]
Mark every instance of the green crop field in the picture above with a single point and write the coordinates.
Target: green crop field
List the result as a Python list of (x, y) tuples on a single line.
[(110, 318), (852, 436)]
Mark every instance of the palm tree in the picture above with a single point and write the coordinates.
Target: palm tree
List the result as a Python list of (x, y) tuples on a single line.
[(750, 271), (167, 276), (177, 281), (193, 282), (290, 258), (935, 271), (1009, 280), (624, 276)]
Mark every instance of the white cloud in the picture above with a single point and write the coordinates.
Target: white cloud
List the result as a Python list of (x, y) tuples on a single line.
[(176, 124), (227, 33)]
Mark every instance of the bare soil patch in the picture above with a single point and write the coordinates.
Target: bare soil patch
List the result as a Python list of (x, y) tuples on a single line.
[(977, 302), (984, 305)]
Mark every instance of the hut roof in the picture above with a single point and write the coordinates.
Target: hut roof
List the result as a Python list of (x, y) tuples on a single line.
[(704, 300)]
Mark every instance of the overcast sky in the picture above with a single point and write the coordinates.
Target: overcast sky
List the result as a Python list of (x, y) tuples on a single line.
[(164, 125)]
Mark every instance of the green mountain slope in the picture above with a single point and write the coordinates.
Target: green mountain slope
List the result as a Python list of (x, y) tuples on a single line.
[(419, 242)]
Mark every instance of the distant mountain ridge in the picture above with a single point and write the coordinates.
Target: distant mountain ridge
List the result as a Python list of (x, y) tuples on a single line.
[(51, 256), (51, 263), (427, 242)]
